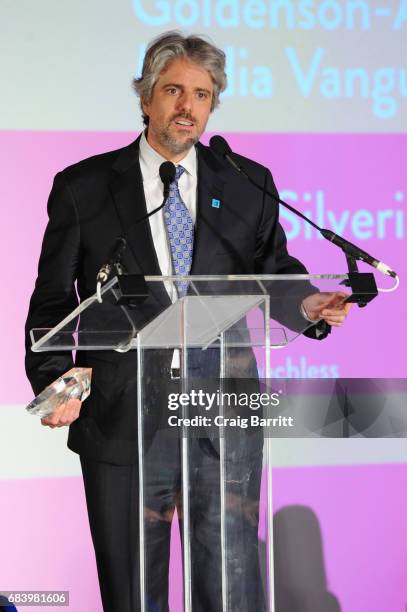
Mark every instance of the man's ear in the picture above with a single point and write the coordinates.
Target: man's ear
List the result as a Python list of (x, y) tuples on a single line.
[(144, 107)]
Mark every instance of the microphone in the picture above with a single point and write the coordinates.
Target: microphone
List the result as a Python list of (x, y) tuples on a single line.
[(356, 252), (167, 172), (220, 146), (167, 175)]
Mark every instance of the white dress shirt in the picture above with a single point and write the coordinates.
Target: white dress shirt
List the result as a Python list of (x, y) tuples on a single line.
[(150, 162)]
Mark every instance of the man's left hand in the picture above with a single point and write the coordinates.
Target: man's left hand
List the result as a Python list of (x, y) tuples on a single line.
[(327, 306)]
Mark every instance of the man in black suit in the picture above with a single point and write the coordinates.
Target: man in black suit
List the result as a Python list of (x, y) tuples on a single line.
[(93, 202)]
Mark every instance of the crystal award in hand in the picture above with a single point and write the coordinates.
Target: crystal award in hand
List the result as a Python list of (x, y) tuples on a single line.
[(75, 384)]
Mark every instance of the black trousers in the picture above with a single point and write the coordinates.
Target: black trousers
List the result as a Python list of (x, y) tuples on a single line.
[(112, 495)]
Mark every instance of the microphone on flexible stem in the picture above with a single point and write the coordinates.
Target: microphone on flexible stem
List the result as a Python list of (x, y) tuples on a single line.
[(167, 175), (167, 172), (220, 146)]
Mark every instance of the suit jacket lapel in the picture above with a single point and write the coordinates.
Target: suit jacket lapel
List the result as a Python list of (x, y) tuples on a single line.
[(208, 229)]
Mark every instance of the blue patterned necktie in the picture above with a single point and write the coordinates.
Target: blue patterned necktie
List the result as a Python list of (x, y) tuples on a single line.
[(180, 229)]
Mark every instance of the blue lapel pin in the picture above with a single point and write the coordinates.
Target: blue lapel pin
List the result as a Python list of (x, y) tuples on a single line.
[(215, 203)]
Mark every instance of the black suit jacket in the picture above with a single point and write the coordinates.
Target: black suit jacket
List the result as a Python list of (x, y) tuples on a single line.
[(100, 198)]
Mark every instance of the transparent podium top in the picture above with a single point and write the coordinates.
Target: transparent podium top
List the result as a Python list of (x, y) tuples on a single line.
[(134, 311)]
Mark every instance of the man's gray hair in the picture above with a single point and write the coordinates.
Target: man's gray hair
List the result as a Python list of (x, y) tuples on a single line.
[(173, 45)]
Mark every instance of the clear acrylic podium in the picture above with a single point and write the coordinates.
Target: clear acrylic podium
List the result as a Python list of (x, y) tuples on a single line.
[(204, 391)]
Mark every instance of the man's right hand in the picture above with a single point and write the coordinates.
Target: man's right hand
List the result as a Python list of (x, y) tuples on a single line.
[(65, 414)]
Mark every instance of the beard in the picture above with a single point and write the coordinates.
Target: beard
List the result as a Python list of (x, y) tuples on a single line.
[(172, 143)]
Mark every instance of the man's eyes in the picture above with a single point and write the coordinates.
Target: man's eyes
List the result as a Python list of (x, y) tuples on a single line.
[(201, 95)]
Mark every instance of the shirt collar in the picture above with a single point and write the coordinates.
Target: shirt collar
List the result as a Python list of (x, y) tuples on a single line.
[(151, 160)]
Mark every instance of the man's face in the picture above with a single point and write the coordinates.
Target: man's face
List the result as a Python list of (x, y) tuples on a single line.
[(179, 108)]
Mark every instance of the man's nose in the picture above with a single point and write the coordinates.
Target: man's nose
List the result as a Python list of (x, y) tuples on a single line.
[(185, 102)]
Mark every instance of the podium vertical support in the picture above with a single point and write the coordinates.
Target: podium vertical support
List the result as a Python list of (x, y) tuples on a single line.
[(222, 478), (185, 465), (269, 466), (140, 435)]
